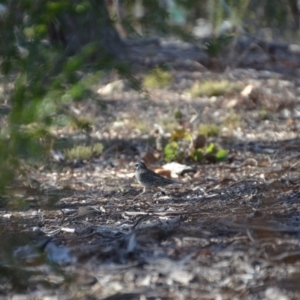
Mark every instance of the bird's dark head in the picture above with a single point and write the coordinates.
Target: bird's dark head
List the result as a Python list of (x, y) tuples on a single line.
[(140, 165)]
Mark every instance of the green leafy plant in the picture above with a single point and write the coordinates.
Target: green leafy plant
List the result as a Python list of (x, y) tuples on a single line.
[(82, 123), (48, 74), (218, 153), (171, 151), (209, 130), (178, 134), (158, 78), (217, 44), (178, 115), (213, 88), (221, 155), (197, 154), (181, 146), (84, 152), (211, 153)]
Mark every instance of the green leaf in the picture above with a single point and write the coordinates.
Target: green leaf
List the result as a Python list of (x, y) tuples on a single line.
[(73, 64), (171, 151), (178, 114), (198, 154), (210, 148), (77, 91), (221, 155), (178, 134)]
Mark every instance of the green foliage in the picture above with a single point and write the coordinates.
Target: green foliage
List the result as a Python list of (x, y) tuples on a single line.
[(217, 44), (178, 115), (218, 153), (213, 88), (209, 130), (171, 151), (82, 123), (178, 134), (210, 148), (18, 204), (277, 15), (84, 152), (232, 120), (158, 78), (197, 154), (211, 153), (182, 146), (45, 81), (221, 155)]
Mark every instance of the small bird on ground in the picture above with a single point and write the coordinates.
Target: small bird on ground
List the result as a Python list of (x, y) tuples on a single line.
[(147, 178)]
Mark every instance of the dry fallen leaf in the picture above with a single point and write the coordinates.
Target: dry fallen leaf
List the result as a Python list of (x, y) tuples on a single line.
[(247, 90)]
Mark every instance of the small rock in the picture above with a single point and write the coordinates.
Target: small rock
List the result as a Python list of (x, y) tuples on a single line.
[(113, 87), (273, 293)]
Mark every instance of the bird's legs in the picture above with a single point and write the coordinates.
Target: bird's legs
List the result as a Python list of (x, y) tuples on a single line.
[(143, 192)]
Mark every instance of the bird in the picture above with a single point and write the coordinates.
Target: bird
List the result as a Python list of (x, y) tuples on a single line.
[(147, 178)]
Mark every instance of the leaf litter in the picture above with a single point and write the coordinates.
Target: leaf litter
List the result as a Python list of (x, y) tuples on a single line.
[(231, 232)]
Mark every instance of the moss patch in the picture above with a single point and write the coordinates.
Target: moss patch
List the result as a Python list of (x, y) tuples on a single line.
[(209, 130), (213, 88), (84, 152), (158, 78)]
